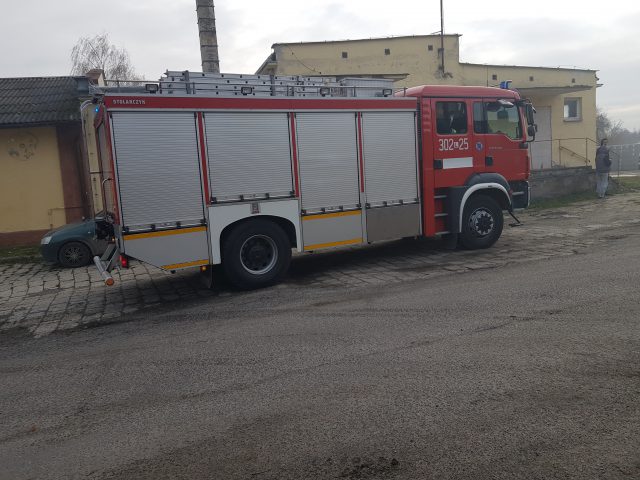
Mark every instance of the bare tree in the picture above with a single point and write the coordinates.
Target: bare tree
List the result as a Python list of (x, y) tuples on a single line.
[(607, 128), (98, 52)]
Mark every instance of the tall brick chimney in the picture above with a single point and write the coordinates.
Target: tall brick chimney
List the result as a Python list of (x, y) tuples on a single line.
[(208, 36)]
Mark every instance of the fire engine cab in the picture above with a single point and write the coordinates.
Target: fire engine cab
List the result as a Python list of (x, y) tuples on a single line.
[(203, 169)]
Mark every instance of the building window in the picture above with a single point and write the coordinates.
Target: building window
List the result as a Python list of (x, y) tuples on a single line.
[(531, 79), (430, 48), (451, 118), (573, 80), (345, 55), (387, 51), (572, 109), (494, 77)]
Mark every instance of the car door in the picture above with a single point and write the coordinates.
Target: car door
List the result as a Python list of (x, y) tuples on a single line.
[(499, 136), (452, 149)]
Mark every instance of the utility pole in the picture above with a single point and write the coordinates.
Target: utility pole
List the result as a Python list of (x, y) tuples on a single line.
[(208, 36), (442, 37)]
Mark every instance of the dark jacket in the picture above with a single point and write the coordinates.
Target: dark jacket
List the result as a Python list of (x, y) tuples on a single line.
[(603, 164)]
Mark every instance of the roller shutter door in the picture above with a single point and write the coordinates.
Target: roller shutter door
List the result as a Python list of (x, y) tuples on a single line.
[(249, 155), (391, 173), (158, 168), (328, 160)]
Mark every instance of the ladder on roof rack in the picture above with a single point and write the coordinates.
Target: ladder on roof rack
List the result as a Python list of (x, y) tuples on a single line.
[(229, 84)]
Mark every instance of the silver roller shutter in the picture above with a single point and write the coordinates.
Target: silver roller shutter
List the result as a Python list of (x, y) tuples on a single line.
[(390, 157), (249, 154), (158, 167), (328, 160)]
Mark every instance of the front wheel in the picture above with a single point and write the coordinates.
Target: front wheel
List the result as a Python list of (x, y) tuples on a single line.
[(482, 222), (256, 254), (74, 254)]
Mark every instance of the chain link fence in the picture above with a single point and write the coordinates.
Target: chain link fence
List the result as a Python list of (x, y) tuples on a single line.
[(625, 159)]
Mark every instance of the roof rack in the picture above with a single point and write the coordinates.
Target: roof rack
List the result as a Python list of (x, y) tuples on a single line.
[(230, 85)]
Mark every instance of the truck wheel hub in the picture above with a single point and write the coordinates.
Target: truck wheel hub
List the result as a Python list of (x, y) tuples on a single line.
[(481, 222), (258, 254)]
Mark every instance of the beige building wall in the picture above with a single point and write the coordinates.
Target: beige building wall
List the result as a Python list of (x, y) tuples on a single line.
[(412, 61), (573, 140), (31, 194)]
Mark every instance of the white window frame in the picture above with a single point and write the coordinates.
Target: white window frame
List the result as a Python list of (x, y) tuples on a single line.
[(578, 117)]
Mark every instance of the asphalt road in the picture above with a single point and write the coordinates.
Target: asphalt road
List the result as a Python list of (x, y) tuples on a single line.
[(528, 371)]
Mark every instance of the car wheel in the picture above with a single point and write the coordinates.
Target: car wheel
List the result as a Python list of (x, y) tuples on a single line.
[(74, 254), (256, 254), (482, 222)]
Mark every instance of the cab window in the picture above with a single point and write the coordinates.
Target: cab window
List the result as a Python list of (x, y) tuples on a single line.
[(494, 117), (451, 118)]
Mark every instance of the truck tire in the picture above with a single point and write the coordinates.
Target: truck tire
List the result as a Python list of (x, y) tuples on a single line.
[(482, 222), (256, 254), (74, 254)]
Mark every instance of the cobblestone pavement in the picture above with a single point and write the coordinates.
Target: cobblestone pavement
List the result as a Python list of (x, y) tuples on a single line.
[(41, 299)]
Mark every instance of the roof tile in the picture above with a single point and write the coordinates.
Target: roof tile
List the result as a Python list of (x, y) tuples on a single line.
[(38, 100)]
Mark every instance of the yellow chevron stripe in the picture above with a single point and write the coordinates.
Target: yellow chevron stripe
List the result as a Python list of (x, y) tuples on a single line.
[(175, 266), (333, 244), (322, 216), (164, 233)]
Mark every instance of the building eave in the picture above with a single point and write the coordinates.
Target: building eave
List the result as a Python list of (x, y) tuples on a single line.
[(492, 65), (552, 91), (325, 42)]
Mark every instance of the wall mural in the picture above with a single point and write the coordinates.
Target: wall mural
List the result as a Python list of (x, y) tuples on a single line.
[(22, 146)]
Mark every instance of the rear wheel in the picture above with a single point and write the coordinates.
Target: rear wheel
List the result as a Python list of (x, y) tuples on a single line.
[(482, 222), (256, 254), (74, 254)]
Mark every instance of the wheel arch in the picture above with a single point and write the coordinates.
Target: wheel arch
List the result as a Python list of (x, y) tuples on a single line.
[(224, 218), (493, 185), (284, 223), (493, 190), (76, 240)]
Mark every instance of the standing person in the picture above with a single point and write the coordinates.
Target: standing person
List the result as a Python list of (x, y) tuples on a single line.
[(603, 166)]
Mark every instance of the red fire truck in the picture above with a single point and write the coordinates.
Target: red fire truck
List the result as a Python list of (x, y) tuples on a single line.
[(204, 169)]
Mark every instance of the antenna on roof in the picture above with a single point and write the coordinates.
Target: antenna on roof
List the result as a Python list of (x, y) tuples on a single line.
[(441, 37)]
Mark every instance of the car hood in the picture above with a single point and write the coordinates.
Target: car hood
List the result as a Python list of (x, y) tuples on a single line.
[(87, 227)]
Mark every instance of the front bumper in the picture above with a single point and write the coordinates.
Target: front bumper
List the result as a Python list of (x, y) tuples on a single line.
[(50, 252)]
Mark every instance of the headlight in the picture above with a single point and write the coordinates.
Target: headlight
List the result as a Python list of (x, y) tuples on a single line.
[(45, 240)]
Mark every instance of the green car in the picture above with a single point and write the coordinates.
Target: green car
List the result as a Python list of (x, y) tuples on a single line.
[(76, 244)]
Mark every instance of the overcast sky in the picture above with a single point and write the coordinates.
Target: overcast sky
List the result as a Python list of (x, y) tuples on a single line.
[(36, 36)]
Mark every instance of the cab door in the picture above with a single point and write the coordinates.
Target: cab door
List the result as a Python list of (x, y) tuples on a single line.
[(498, 131), (453, 147)]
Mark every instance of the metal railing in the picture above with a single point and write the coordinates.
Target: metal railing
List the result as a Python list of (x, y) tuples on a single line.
[(572, 151), (618, 167), (586, 157)]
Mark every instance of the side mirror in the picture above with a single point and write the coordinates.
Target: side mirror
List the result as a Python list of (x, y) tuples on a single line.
[(531, 132)]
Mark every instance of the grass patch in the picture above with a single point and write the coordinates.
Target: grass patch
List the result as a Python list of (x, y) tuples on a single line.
[(563, 201), (19, 254), (617, 186), (627, 184)]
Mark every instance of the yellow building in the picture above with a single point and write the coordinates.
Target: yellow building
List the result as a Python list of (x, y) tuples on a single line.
[(565, 99), (42, 173)]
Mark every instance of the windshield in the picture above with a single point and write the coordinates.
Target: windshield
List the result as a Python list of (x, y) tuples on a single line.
[(493, 117)]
